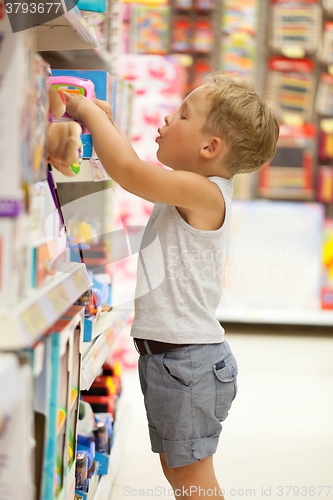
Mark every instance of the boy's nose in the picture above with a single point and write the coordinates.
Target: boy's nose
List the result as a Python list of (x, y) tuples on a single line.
[(167, 119)]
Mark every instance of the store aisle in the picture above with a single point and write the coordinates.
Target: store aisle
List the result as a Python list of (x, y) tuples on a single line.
[(279, 432)]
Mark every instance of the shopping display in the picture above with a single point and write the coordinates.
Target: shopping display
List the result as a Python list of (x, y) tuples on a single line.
[(69, 245), (61, 344)]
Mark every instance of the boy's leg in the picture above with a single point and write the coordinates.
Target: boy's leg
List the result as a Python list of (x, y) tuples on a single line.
[(196, 481), (168, 471)]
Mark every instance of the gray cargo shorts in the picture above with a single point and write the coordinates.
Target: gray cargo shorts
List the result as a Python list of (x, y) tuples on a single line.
[(187, 394)]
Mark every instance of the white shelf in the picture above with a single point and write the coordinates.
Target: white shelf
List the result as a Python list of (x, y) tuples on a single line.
[(275, 316), (100, 347), (67, 32), (89, 58), (95, 325), (23, 324), (91, 170)]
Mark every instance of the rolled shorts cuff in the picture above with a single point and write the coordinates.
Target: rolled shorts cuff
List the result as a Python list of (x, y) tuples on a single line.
[(180, 453)]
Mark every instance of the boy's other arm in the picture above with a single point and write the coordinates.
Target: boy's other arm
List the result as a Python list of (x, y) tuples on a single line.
[(184, 189)]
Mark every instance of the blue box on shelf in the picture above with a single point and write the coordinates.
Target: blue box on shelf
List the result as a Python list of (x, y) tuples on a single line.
[(102, 459), (92, 5)]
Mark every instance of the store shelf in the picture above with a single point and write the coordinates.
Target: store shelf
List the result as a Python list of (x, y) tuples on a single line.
[(67, 32), (93, 58), (121, 432), (96, 325), (91, 170), (30, 319), (99, 348), (275, 316)]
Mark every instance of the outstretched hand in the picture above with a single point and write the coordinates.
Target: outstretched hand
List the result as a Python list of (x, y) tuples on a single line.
[(76, 104)]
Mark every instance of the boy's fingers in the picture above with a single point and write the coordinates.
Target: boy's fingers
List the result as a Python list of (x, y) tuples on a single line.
[(105, 106), (66, 94)]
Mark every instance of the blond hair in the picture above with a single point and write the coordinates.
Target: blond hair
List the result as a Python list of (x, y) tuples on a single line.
[(248, 124)]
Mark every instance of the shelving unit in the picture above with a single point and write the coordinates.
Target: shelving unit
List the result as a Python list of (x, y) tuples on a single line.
[(68, 32), (29, 319), (91, 170), (96, 351), (43, 329)]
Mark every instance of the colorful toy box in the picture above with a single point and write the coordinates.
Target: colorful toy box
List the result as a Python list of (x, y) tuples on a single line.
[(92, 5), (106, 89)]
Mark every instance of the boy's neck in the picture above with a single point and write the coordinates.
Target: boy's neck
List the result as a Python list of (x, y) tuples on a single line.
[(215, 171)]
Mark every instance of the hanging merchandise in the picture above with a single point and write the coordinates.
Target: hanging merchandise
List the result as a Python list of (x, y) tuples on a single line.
[(325, 149), (290, 173), (325, 184), (204, 5), (203, 36), (296, 27), (183, 4), (181, 34), (328, 6), (150, 29), (291, 83), (201, 68), (327, 285), (324, 100), (238, 41), (325, 52)]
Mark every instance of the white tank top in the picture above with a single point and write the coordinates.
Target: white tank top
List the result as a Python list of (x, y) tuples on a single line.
[(179, 278)]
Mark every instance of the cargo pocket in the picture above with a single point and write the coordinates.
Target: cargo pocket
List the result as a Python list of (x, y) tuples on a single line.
[(226, 386)]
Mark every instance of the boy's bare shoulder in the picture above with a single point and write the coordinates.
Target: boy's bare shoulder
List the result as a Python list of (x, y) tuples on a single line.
[(210, 216)]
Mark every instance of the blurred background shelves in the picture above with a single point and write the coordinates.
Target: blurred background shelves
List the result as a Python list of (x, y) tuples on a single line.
[(26, 322), (275, 316)]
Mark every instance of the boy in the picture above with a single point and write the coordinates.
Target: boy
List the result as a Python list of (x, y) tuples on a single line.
[(187, 371)]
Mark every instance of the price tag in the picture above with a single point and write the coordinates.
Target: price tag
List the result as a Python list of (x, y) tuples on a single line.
[(327, 125), (293, 51), (293, 120), (59, 298), (109, 337), (34, 320), (79, 282)]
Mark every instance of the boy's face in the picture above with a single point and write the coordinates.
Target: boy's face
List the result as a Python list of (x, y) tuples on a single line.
[(180, 139)]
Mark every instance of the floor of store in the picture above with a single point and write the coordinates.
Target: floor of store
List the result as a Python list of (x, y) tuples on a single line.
[(277, 441)]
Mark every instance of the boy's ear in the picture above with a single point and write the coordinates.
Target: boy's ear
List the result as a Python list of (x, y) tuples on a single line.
[(212, 147)]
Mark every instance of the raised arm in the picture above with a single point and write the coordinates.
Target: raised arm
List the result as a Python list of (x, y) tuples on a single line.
[(179, 188)]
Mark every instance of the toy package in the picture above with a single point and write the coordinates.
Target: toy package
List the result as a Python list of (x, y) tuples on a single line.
[(291, 83), (201, 68), (325, 147), (324, 99), (203, 36), (181, 34), (327, 284), (92, 5), (328, 6), (296, 27), (290, 173), (150, 29), (204, 5), (183, 4), (325, 184), (238, 41), (325, 52)]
